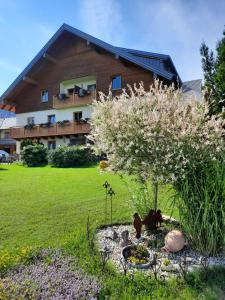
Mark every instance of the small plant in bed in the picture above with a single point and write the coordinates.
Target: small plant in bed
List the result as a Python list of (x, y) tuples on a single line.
[(137, 255)]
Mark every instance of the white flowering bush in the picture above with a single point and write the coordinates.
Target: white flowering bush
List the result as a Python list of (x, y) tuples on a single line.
[(155, 134)]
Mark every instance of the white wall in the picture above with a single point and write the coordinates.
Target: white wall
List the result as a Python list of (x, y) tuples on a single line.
[(61, 114), (59, 142), (84, 81), (18, 143)]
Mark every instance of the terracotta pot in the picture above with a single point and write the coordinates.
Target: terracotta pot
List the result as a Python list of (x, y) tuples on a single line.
[(174, 241)]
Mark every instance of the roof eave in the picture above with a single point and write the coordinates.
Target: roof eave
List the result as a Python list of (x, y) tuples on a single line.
[(91, 39)]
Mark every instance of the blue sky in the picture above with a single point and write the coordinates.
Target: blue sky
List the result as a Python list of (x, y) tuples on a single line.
[(172, 27)]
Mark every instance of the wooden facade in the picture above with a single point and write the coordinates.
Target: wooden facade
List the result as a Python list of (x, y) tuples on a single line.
[(75, 59), (73, 55)]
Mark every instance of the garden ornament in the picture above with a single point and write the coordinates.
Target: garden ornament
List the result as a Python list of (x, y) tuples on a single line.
[(125, 239), (137, 225), (149, 221), (174, 241), (158, 218), (106, 186), (111, 193)]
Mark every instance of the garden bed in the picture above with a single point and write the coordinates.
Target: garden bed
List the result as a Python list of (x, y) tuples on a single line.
[(51, 275), (169, 264)]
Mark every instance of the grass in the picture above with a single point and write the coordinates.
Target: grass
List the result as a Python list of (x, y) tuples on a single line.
[(43, 207)]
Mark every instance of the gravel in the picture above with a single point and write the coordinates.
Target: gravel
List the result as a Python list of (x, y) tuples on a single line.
[(105, 238)]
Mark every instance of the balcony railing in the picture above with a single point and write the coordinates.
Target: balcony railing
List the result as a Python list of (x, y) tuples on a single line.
[(73, 100), (8, 141), (52, 130)]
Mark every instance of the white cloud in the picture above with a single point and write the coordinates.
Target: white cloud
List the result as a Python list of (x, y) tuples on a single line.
[(103, 19), (178, 27)]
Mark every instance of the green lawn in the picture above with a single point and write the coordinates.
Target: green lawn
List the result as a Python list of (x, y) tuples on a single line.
[(43, 207)]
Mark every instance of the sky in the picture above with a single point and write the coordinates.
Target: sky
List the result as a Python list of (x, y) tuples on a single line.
[(174, 27)]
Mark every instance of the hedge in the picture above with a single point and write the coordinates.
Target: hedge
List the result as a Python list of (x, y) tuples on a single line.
[(68, 157)]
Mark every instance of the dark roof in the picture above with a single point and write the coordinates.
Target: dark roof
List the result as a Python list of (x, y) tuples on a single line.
[(156, 63), (192, 87), (155, 60), (6, 114)]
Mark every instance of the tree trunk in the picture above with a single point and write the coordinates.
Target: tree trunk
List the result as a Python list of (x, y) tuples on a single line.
[(155, 191)]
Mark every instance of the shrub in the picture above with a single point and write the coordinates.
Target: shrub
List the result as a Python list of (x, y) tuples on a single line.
[(34, 155), (67, 157), (201, 200), (154, 134), (157, 137), (28, 142)]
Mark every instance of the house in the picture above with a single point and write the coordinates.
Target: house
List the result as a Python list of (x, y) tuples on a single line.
[(52, 97), (6, 142), (192, 88)]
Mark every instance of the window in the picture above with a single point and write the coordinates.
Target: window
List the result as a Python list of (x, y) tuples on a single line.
[(77, 115), (70, 91), (44, 96), (30, 120), (51, 119), (51, 145), (91, 87), (116, 82), (7, 135)]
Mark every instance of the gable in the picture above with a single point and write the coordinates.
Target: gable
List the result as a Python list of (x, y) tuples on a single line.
[(52, 47), (76, 60)]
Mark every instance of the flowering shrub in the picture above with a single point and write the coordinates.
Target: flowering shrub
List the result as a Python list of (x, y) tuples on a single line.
[(156, 135), (52, 276)]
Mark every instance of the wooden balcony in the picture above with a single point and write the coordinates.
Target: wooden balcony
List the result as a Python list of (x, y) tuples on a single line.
[(53, 130), (73, 100)]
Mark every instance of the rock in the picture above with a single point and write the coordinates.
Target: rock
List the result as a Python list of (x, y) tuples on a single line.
[(111, 234), (170, 220), (170, 268), (125, 239)]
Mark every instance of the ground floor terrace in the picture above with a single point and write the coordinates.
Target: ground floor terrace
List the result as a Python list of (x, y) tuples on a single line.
[(8, 147), (67, 133)]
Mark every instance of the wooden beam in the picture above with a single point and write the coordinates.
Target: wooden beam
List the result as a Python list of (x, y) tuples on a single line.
[(50, 58), (30, 80), (7, 107)]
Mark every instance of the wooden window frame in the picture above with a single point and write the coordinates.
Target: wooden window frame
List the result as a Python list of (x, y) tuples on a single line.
[(77, 112)]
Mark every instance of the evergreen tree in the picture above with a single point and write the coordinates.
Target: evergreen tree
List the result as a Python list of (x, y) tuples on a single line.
[(214, 75), (220, 71)]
